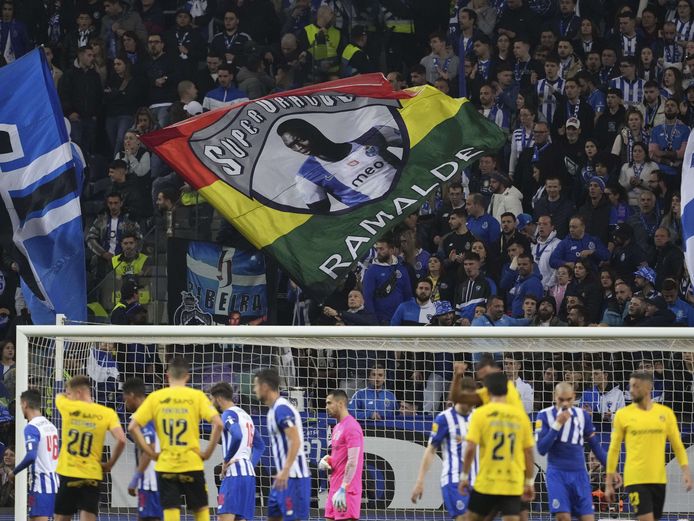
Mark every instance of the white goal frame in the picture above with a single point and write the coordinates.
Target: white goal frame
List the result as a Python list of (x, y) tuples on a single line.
[(455, 339)]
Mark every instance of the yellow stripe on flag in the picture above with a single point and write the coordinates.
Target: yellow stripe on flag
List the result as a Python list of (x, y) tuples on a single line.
[(428, 109), (265, 224)]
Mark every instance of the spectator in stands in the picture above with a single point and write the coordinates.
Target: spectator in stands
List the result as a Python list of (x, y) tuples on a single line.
[(136, 201), (443, 281), (527, 282), (7, 358), (604, 398), (668, 259), (684, 312), (386, 283), (644, 282), (668, 142), (78, 37), (455, 244), (578, 245), (441, 62), (547, 241), (556, 205), (418, 310), (226, 93), (6, 475), (456, 201), (577, 316), (137, 158), (634, 175), (355, 314), (495, 315), (107, 230), (513, 365), (506, 198), (162, 79), (618, 306), (184, 42), (230, 43), (611, 122), (481, 224), (474, 288), (509, 235), (80, 95), (122, 97), (129, 299), (206, 79), (596, 210), (547, 314), (645, 222), (374, 402), (14, 38), (119, 19), (636, 313), (672, 220), (657, 313)]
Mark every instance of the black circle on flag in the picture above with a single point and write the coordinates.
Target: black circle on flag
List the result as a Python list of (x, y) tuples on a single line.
[(331, 162)]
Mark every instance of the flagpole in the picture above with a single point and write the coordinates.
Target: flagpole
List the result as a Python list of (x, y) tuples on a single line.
[(687, 206)]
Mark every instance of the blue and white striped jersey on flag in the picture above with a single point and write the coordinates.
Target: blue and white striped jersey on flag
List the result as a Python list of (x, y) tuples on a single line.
[(448, 433), (687, 192), (40, 185), (149, 480), (237, 441), (41, 436), (281, 416)]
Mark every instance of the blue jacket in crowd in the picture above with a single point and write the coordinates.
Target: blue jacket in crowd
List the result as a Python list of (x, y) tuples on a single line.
[(367, 401), (569, 250), (375, 277), (524, 286), (410, 313), (485, 228)]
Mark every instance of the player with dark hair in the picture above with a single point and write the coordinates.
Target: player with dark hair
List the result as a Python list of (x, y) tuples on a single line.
[(177, 411), (241, 449), (346, 460), (448, 433), (41, 441), (80, 465), (353, 172), (506, 463), (645, 427), (290, 495), (144, 482)]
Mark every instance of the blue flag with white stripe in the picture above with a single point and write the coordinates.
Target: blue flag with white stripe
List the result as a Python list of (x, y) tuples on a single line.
[(687, 207), (40, 184)]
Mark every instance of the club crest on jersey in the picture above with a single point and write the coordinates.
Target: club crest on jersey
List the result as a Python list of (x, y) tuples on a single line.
[(371, 151)]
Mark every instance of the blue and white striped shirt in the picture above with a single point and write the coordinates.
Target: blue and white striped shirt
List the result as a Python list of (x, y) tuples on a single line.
[(548, 101), (41, 435), (237, 441), (281, 416), (632, 91), (449, 432)]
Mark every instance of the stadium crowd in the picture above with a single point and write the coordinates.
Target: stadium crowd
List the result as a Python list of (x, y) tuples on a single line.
[(575, 222)]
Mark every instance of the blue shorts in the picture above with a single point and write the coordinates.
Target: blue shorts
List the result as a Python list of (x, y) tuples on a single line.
[(569, 491), (41, 504), (237, 496), (148, 504), (454, 501), (293, 503)]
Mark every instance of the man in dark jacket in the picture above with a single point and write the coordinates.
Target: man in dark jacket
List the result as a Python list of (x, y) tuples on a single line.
[(185, 44), (80, 95), (556, 204), (668, 259), (596, 210), (657, 313), (627, 256)]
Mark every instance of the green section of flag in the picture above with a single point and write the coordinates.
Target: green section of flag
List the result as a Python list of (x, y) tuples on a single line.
[(453, 144)]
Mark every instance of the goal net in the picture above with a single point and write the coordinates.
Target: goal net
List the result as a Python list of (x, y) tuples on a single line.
[(407, 373)]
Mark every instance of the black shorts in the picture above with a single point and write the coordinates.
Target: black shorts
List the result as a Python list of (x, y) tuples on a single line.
[(485, 504), (647, 498), (75, 494), (191, 485)]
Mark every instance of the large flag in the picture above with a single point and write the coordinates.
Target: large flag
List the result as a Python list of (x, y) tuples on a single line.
[(40, 184), (314, 176), (687, 206)]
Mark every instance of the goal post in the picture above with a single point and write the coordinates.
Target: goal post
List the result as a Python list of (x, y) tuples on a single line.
[(313, 360)]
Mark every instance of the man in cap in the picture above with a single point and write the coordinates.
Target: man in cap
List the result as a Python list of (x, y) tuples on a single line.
[(546, 315), (657, 313), (526, 225), (627, 256), (354, 59), (644, 280), (129, 297), (596, 210)]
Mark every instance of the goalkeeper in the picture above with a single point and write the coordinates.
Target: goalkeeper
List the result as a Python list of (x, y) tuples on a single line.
[(346, 461)]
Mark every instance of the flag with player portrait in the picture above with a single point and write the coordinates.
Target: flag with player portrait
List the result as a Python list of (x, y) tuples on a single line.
[(314, 176)]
